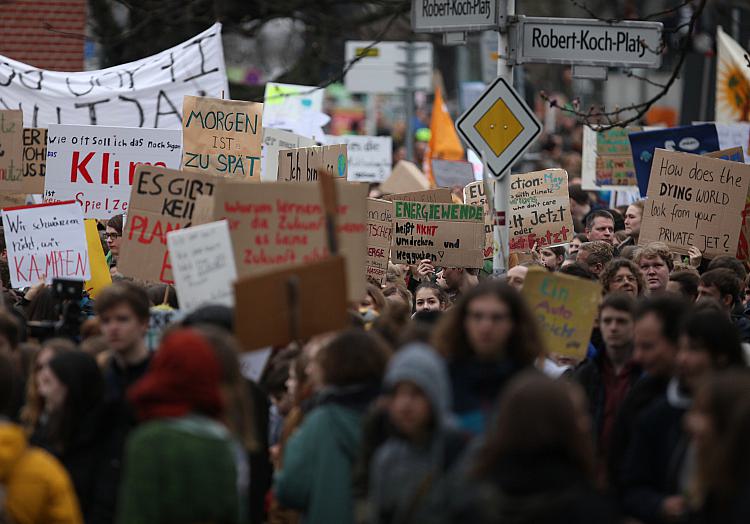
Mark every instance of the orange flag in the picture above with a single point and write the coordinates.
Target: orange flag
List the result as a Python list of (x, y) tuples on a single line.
[(444, 142)]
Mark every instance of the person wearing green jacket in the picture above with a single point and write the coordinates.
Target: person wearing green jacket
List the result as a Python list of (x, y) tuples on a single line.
[(316, 477)]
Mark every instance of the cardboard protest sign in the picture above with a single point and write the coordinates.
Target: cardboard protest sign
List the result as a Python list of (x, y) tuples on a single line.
[(95, 165), (12, 200), (474, 194), (369, 157), (379, 234), (607, 161), (222, 137), (279, 224), (274, 140), (304, 163), (34, 159), (565, 308), (45, 241), (450, 235), (100, 276), (405, 177), (689, 139), (162, 200), (203, 265), (539, 210), (278, 306), (146, 93), (450, 173), (441, 195), (695, 201), (11, 151)]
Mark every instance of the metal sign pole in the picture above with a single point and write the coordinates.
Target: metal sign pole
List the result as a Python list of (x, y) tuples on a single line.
[(409, 92)]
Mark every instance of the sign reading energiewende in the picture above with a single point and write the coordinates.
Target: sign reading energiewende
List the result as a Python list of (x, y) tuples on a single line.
[(438, 16), (586, 42)]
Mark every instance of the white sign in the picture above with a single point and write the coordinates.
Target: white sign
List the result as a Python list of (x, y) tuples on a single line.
[(203, 265), (369, 157), (382, 68), (95, 165), (586, 42), (144, 93), (450, 173), (47, 241), (296, 108), (440, 16), (500, 124), (274, 140)]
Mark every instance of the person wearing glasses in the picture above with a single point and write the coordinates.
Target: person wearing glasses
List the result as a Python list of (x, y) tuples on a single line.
[(113, 237), (622, 276)]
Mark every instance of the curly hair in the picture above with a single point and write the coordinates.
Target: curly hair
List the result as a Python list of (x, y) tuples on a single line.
[(607, 275), (654, 250)]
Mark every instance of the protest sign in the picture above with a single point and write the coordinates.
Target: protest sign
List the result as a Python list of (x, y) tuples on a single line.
[(281, 223), (253, 363), (539, 210), (565, 308), (404, 178), (222, 137), (450, 173), (379, 234), (203, 265), (95, 165), (279, 306), (304, 163), (162, 200), (34, 159), (100, 276), (45, 241), (12, 200), (296, 108), (689, 139), (607, 161), (369, 157), (145, 93), (474, 194), (11, 151), (274, 140), (695, 201), (449, 235), (441, 195), (736, 134)]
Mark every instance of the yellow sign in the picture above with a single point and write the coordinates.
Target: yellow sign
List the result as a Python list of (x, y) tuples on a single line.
[(499, 127), (100, 277)]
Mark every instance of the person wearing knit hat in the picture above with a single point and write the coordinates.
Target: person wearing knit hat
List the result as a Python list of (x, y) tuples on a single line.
[(408, 471), (181, 463)]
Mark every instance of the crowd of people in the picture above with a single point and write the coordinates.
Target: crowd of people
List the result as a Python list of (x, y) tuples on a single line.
[(438, 404)]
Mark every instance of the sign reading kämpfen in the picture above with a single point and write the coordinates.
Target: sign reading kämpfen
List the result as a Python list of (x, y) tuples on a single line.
[(695, 201), (95, 165), (440, 16), (369, 158), (586, 42), (45, 241), (450, 235)]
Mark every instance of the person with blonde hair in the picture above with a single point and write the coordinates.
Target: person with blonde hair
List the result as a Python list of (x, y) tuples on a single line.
[(656, 263)]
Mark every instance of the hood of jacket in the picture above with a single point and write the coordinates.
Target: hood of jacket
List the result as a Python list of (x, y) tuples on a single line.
[(12, 446)]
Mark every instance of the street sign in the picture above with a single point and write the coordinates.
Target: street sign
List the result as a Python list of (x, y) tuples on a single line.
[(445, 16), (382, 69), (586, 42), (500, 124)]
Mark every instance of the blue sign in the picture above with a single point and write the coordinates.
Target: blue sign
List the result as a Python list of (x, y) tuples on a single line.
[(698, 140)]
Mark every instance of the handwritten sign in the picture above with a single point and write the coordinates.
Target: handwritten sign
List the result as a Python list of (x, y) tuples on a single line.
[(539, 210), (450, 235), (379, 234), (274, 140), (95, 165), (369, 157), (474, 194), (304, 164), (203, 265), (45, 241), (440, 195), (295, 108), (222, 137), (279, 224), (11, 166), (607, 159), (146, 93), (449, 173), (162, 200), (695, 201), (34, 159), (565, 308)]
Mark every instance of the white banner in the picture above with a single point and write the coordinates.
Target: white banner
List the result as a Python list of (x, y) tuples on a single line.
[(95, 165), (369, 157), (144, 93)]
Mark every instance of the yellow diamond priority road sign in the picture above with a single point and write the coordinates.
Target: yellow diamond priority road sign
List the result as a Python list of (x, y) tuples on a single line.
[(500, 125)]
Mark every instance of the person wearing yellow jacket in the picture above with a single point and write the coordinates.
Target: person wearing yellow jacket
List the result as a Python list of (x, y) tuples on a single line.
[(35, 487)]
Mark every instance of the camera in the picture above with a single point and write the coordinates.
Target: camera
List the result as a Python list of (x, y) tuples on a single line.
[(67, 294)]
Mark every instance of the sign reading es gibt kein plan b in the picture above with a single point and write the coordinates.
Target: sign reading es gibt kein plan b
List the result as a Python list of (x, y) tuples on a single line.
[(438, 16)]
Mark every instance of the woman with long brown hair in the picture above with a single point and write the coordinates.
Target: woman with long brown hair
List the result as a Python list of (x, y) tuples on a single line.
[(486, 338)]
